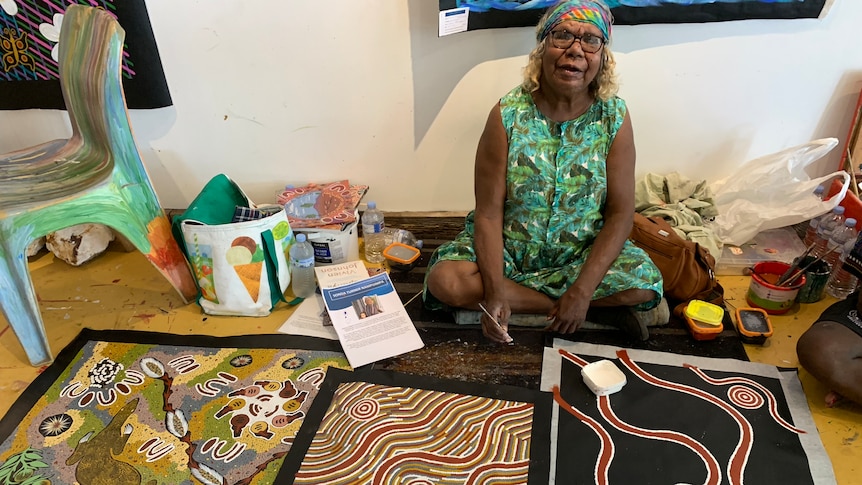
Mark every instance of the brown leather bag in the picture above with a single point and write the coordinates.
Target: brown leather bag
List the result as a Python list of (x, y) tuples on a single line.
[(688, 269)]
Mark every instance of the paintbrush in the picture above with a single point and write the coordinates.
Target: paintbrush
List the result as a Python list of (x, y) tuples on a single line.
[(510, 340)]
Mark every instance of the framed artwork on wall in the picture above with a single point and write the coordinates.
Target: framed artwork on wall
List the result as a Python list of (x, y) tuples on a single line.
[(29, 71), (486, 14)]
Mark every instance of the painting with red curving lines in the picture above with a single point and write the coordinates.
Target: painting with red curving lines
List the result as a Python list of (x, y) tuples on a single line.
[(680, 419), (380, 427)]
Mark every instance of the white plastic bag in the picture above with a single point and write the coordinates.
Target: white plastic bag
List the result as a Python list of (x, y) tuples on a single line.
[(773, 191)]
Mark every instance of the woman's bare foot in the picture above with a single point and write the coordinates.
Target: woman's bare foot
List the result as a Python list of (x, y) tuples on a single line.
[(833, 398)]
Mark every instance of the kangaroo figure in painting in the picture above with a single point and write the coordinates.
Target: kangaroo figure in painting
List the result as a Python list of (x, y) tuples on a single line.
[(95, 453)]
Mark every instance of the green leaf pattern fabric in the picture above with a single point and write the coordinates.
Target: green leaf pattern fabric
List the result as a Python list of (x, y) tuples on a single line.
[(556, 188)]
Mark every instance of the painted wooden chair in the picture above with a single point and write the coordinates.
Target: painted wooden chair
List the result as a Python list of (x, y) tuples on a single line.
[(95, 176)]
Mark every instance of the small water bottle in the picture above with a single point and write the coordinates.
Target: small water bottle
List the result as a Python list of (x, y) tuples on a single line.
[(811, 230), (841, 241), (402, 236), (373, 226), (842, 282), (302, 267), (830, 222)]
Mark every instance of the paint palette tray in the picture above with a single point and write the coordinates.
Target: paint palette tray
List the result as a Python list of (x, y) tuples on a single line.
[(603, 377)]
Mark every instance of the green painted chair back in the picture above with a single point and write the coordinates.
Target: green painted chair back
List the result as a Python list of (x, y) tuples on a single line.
[(95, 176)]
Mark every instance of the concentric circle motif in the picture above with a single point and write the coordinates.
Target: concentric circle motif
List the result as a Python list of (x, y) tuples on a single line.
[(364, 409), (745, 397)]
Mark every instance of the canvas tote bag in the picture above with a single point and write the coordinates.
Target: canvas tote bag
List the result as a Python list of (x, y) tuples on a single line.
[(241, 268)]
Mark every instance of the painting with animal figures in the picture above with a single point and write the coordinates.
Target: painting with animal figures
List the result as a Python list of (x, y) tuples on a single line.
[(126, 407)]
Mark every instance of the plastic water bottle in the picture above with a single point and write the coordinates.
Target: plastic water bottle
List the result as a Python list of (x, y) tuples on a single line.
[(402, 236), (811, 230), (841, 241), (302, 267), (372, 233), (820, 192), (842, 282), (827, 225)]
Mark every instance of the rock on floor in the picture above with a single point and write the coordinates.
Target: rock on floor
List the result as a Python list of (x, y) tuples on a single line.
[(78, 244)]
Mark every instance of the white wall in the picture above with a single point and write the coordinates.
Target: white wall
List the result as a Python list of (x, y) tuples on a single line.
[(272, 92)]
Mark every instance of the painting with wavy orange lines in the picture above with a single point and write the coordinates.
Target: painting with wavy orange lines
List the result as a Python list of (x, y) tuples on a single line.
[(379, 427), (680, 419)]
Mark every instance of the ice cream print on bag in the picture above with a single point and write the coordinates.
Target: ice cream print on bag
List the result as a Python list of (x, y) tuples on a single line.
[(241, 267), (246, 257)]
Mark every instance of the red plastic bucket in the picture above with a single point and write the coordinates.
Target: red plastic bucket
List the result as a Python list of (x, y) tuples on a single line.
[(763, 293)]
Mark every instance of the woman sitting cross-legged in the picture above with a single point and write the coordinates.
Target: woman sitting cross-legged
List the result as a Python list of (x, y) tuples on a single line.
[(554, 188)]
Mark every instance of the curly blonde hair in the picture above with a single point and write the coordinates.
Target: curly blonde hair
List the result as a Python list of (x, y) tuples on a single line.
[(603, 87)]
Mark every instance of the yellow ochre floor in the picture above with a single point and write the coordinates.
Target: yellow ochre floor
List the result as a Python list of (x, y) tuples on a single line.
[(121, 290)]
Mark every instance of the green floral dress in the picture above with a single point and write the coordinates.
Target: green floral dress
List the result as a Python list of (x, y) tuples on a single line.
[(556, 187)]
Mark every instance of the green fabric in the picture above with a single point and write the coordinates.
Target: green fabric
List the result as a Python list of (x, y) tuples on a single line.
[(271, 260), (683, 203), (215, 204), (655, 190), (556, 187)]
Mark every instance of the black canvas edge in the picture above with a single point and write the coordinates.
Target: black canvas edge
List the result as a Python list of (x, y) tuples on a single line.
[(149, 88), (46, 379), (539, 470)]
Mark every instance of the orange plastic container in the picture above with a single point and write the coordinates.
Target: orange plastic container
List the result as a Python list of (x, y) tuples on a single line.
[(702, 330), (753, 325)]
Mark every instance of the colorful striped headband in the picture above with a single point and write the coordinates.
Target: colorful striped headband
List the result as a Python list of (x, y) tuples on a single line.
[(579, 10)]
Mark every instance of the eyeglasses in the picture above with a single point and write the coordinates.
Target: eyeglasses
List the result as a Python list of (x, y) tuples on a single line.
[(563, 39)]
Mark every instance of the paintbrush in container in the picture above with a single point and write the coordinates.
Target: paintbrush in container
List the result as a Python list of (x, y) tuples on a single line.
[(795, 264), (791, 279)]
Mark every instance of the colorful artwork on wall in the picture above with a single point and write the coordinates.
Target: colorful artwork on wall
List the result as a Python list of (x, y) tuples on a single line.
[(29, 53), (486, 14)]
